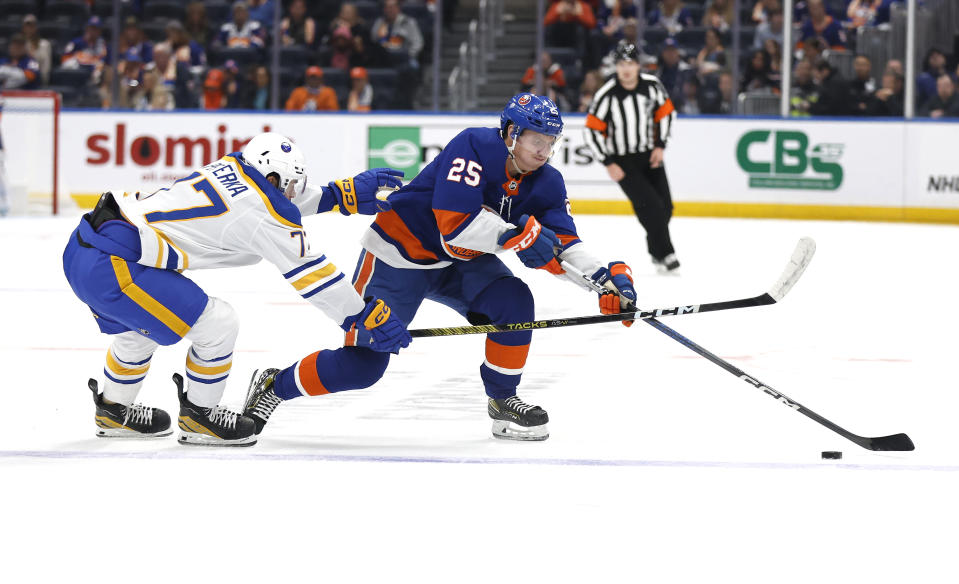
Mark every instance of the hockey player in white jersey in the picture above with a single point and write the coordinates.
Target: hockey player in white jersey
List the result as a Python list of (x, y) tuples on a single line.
[(125, 260)]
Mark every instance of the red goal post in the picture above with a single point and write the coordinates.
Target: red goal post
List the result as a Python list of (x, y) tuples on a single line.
[(30, 127)]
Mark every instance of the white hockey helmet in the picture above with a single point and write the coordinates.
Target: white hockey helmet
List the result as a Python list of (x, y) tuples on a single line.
[(272, 153)]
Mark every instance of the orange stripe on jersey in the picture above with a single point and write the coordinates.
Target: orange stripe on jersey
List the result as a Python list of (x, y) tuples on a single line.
[(366, 270), (566, 239), (309, 379), (594, 123), (506, 356), (449, 221), (664, 110), (392, 225)]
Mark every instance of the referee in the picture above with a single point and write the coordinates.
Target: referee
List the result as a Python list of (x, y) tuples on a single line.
[(627, 127)]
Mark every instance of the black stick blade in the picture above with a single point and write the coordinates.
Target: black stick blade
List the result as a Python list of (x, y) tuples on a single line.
[(894, 443)]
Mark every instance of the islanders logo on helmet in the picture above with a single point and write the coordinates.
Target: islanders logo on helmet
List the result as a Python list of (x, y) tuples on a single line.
[(532, 112)]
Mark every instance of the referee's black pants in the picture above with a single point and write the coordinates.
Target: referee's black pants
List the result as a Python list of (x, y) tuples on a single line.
[(648, 191)]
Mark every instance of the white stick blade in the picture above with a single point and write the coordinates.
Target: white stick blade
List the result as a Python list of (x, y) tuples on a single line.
[(801, 257)]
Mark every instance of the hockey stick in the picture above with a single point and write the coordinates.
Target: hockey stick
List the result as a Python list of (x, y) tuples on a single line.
[(800, 258), (896, 442)]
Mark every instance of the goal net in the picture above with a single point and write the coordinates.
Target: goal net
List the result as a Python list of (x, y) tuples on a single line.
[(29, 130)]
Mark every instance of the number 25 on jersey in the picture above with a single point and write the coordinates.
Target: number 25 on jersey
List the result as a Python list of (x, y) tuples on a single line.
[(472, 169)]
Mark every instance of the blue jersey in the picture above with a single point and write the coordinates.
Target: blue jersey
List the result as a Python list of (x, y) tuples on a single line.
[(463, 201)]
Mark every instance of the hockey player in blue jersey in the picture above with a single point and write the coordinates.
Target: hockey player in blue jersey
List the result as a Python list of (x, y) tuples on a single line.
[(489, 191), (125, 260)]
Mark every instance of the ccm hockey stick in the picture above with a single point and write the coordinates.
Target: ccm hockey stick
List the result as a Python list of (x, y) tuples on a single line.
[(896, 442), (800, 258)]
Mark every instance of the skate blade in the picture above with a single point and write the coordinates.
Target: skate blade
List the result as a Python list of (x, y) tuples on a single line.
[(193, 439), (130, 434), (505, 430)]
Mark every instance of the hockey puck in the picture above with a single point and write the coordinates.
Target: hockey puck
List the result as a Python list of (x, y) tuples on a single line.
[(831, 455)]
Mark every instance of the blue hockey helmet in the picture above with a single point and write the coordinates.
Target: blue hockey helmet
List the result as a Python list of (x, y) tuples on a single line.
[(532, 112)]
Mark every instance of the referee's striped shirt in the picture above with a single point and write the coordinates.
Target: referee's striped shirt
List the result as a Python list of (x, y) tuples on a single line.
[(622, 121)]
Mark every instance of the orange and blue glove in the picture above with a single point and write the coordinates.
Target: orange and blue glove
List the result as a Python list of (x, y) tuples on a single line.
[(534, 244), (620, 295), (358, 194)]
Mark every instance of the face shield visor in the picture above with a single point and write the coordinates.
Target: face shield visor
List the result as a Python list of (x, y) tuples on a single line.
[(535, 143)]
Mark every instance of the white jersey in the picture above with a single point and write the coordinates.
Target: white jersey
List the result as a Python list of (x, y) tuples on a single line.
[(227, 214)]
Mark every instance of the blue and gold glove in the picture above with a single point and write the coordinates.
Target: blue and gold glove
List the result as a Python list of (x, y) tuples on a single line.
[(389, 334), (358, 194), (534, 244), (620, 296)]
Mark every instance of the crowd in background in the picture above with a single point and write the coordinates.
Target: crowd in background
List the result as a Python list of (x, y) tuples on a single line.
[(368, 54), (213, 55), (687, 45)]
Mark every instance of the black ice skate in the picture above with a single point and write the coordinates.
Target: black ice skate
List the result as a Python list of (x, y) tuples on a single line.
[(667, 265), (216, 426), (261, 399), (120, 421), (514, 419)]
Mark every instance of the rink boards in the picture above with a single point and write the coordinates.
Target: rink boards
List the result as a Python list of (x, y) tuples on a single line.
[(718, 166)]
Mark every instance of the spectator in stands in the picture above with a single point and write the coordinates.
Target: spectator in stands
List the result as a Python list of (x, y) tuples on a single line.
[(763, 10), (933, 67), (38, 48), (152, 94), (257, 94), (554, 81), (945, 104), (314, 96), (214, 95), (615, 20), (719, 15), (895, 66), (759, 76), (770, 29), (232, 84), (343, 53), (262, 11), (298, 27), (712, 56), (241, 31), (804, 91), (134, 42), (360, 98), (775, 52), (690, 99), (813, 50), (823, 26), (350, 17), (889, 99), (671, 15), (89, 51), (716, 97), (673, 71), (865, 12), (862, 87), (592, 81), (131, 81), (174, 76), (182, 47), (833, 91), (196, 25), (568, 23), (18, 70), (398, 33)]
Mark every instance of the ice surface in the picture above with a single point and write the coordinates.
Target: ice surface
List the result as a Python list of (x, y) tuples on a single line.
[(661, 467)]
